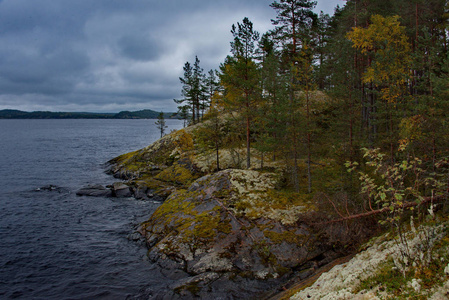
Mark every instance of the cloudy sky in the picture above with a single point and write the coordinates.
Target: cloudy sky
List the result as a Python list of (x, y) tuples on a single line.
[(113, 55)]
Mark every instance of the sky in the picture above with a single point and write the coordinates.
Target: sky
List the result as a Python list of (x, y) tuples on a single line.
[(114, 55)]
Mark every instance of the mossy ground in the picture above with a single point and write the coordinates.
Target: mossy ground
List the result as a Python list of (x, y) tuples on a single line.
[(178, 174)]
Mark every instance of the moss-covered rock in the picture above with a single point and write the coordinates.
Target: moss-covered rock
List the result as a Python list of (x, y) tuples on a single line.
[(154, 158), (182, 172), (229, 224), (157, 170), (203, 229)]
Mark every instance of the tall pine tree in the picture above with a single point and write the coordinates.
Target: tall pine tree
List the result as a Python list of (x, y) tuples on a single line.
[(240, 79)]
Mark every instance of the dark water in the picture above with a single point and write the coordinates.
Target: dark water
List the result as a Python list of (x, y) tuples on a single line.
[(54, 244)]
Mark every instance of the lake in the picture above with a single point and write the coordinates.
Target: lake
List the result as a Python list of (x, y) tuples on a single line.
[(54, 244)]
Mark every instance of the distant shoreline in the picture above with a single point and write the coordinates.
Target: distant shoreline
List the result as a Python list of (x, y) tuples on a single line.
[(141, 114)]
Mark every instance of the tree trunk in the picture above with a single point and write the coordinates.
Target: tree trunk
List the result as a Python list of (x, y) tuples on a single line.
[(248, 146), (218, 156), (309, 173)]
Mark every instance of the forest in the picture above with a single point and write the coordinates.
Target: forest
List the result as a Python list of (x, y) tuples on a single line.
[(365, 90)]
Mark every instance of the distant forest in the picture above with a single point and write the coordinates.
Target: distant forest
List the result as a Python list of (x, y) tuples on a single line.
[(141, 114)]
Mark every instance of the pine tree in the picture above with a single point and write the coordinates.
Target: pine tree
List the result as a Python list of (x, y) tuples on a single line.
[(211, 86), (294, 23), (198, 90), (193, 90), (239, 76), (212, 132), (160, 123), (183, 112)]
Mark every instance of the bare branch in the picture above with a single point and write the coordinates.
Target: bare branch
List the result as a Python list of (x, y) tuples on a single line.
[(385, 209)]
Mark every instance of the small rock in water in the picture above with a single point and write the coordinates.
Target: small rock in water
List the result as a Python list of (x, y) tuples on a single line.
[(51, 188), (121, 190), (134, 236), (94, 190)]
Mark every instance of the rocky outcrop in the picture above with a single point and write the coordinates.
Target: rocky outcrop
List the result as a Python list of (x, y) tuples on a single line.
[(154, 172), (217, 231), (210, 229)]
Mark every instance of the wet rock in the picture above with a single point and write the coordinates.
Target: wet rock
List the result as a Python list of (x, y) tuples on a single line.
[(134, 236), (140, 192), (95, 190), (52, 188), (192, 286), (121, 190)]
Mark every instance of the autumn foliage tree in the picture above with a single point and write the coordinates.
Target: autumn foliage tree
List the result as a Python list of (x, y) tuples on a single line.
[(387, 45)]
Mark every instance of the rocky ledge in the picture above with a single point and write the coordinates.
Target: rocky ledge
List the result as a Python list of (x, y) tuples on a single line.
[(227, 234)]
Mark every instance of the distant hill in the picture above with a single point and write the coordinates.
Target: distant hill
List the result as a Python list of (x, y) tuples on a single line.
[(141, 114)]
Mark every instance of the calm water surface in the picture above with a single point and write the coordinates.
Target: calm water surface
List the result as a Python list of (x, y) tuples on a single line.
[(54, 244)]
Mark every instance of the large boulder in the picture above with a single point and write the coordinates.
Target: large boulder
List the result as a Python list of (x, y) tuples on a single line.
[(219, 225)]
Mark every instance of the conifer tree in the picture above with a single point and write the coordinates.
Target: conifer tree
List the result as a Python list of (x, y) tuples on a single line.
[(212, 132), (160, 123), (198, 90), (183, 112), (211, 86), (294, 22), (239, 76), (193, 89)]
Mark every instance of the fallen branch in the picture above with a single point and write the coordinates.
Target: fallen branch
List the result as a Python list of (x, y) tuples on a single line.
[(385, 209)]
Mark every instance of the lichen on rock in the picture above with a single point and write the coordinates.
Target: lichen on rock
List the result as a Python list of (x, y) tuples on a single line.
[(344, 281), (156, 170), (200, 229), (235, 223)]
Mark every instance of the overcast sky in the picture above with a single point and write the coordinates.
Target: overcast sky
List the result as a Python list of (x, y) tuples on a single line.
[(113, 55)]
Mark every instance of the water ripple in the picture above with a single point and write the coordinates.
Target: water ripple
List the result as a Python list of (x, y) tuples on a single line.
[(53, 244)]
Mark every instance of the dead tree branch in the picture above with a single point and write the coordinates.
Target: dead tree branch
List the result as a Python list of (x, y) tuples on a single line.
[(386, 209)]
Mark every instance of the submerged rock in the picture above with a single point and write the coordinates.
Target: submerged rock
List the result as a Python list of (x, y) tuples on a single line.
[(52, 188)]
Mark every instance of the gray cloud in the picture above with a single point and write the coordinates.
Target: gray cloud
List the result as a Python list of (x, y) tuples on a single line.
[(139, 47), (111, 55)]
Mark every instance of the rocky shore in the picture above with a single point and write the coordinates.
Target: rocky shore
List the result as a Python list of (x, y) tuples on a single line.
[(229, 234), (233, 233)]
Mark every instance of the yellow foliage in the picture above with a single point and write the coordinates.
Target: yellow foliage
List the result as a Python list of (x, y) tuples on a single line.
[(387, 40), (411, 127)]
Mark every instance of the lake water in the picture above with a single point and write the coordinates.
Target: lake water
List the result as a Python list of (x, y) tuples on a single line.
[(54, 244)]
